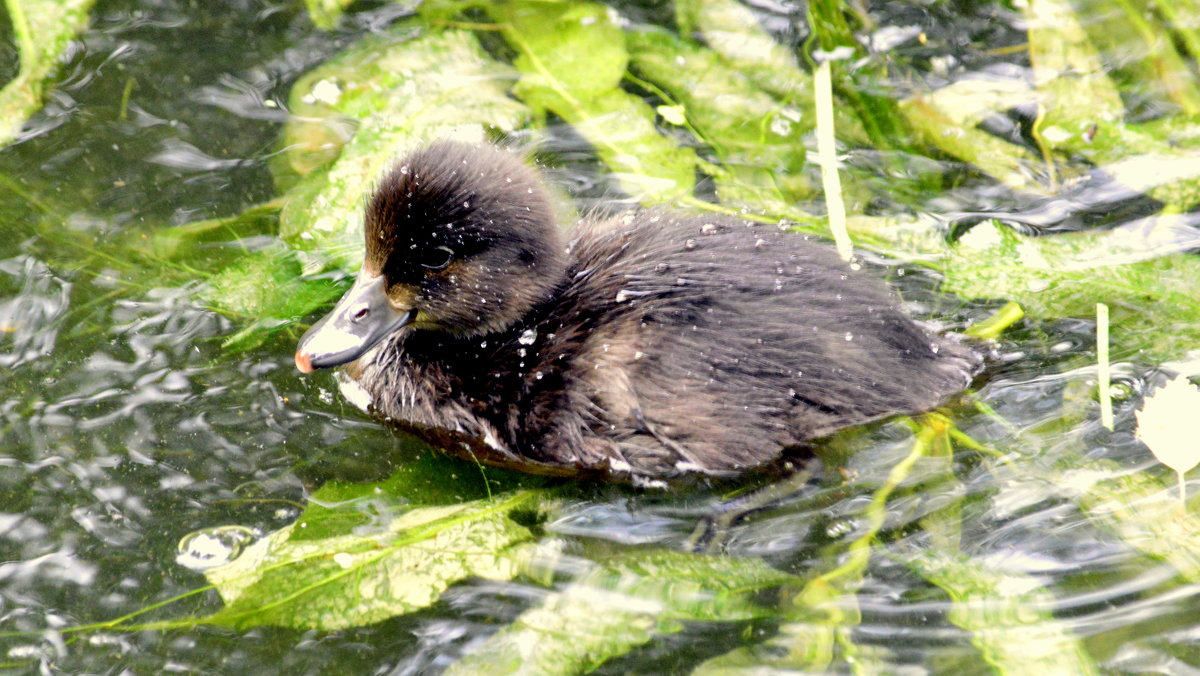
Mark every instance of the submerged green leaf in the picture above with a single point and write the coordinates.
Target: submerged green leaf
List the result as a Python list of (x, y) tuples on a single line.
[(1068, 72), (1183, 17), (1082, 112), (572, 58), (1138, 52), (1139, 508), (188, 240), (43, 29), (325, 13), (947, 119), (268, 289), (619, 605), (1007, 614), (568, 50), (731, 30), (824, 613), (759, 140), (431, 479), (352, 579), (855, 72), (389, 96), (1134, 269)]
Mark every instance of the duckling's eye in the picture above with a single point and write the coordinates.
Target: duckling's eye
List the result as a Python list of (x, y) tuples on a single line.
[(438, 258)]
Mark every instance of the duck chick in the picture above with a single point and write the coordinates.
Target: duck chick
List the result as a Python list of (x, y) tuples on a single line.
[(650, 345)]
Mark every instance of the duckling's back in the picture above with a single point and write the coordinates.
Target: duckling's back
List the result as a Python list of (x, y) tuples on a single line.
[(709, 344)]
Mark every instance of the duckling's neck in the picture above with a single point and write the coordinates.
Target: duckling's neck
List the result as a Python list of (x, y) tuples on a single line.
[(529, 307), (428, 365)]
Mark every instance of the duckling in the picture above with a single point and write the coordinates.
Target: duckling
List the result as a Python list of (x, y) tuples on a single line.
[(653, 344)]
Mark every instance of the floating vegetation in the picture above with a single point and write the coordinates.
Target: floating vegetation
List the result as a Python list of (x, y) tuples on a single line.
[(1035, 178)]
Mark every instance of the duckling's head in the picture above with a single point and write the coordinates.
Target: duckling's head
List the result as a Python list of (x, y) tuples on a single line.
[(459, 238)]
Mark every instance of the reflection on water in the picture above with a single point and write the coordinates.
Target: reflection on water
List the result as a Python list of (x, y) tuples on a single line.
[(34, 301), (126, 429)]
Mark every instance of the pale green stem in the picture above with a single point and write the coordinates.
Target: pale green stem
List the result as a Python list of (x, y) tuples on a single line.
[(1103, 373), (835, 206)]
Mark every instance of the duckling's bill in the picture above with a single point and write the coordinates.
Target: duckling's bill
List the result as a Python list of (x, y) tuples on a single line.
[(362, 318)]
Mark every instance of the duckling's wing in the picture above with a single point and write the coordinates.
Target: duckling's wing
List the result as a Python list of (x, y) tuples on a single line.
[(723, 342)]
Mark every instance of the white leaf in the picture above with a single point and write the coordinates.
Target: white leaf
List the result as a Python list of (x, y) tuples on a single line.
[(1167, 424)]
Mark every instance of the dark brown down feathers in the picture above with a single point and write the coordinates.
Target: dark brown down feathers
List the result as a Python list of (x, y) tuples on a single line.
[(652, 344)]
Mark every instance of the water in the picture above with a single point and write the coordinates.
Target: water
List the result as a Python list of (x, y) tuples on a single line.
[(126, 428)]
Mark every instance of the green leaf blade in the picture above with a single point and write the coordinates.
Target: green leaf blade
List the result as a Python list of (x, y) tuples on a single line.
[(43, 30), (347, 580)]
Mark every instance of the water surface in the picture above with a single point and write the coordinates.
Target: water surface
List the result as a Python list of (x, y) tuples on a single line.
[(126, 427)]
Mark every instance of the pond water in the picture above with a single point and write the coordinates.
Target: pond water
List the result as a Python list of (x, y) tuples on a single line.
[(127, 428)]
